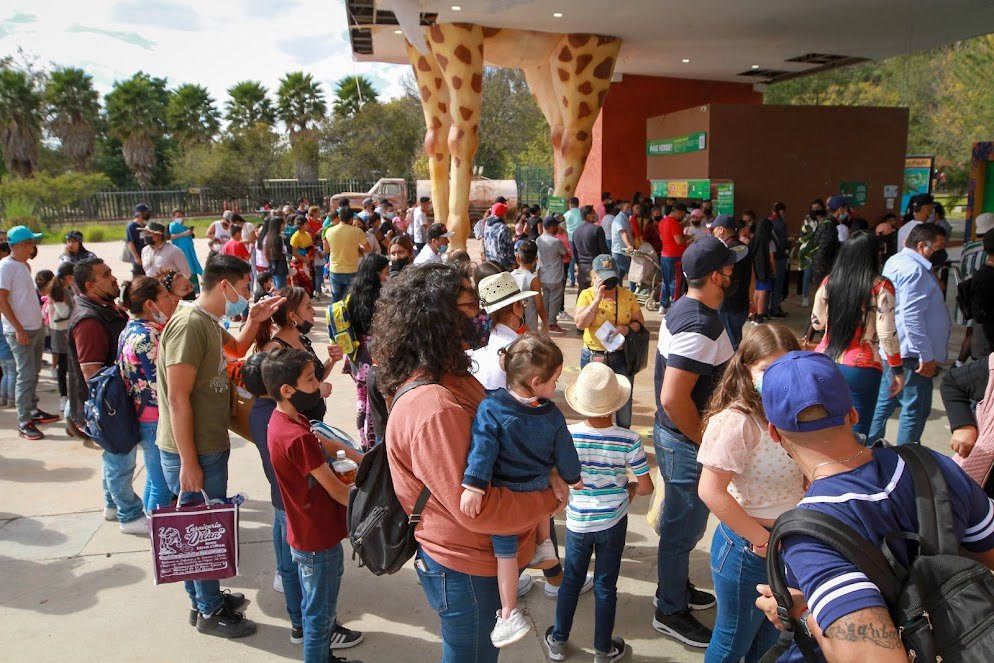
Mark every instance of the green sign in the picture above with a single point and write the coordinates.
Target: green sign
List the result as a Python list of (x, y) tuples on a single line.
[(677, 145), (855, 192), (681, 189), (726, 198), (556, 204)]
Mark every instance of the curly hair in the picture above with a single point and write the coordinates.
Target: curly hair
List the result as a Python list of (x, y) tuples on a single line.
[(364, 292), (418, 329)]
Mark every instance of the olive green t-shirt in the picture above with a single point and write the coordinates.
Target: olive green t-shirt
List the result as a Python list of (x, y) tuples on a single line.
[(192, 336)]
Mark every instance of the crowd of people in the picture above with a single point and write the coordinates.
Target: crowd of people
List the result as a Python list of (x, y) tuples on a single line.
[(750, 420)]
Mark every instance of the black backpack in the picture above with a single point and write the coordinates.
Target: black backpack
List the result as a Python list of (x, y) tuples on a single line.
[(109, 412), (382, 534), (942, 604)]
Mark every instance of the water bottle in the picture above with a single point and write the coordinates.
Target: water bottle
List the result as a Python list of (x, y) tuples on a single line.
[(345, 468)]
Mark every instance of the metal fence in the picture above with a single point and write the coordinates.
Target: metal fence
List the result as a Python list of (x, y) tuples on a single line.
[(534, 184)]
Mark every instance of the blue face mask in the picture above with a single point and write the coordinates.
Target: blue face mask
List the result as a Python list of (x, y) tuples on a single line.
[(758, 383), (443, 248), (235, 308)]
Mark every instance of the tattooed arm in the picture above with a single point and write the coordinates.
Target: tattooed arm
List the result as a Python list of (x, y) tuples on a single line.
[(865, 635)]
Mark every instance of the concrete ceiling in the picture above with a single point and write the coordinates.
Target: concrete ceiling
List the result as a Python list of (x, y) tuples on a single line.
[(722, 39)]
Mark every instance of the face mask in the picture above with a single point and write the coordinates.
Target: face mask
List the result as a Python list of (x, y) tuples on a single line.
[(443, 248), (610, 283), (190, 296), (305, 400), (757, 381), (399, 264), (304, 326), (482, 324), (235, 308), (107, 296), (696, 223), (843, 216), (159, 317)]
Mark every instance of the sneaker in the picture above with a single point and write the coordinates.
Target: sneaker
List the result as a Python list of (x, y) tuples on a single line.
[(525, 584), (296, 635), (618, 651), (338, 659), (110, 513), (29, 431), (779, 314), (805, 302), (563, 315), (137, 526), (545, 556), (225, 623), (508, 631), (699, 600), (684, 627), (557, 330), (233, 600), (343, 638), (555, 650), (63, 400), (278, 582), (552, 591), (42, 417)]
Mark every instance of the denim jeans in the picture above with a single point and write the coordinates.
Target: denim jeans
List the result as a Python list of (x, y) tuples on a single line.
[(205, 595), (572, 269), (157, 493), (320, 576), (915, 401), (467, 606), (616, 360), (779, 280), (734, 321), (683, 519), (806, 282), (8, 380), (27, 358), (607, 546), (864, 385), (741, 630), (668, 293), (118, 473), (622, 265), (339, 285), (279, 281), (287, 569)]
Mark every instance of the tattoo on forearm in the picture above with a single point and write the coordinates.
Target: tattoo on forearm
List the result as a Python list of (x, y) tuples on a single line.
[(881, 634)]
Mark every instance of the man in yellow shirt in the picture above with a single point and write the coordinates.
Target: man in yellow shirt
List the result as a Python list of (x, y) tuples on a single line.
[(346, 245)]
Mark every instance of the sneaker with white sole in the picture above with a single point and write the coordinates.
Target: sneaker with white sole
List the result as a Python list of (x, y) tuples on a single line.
[(697, 599), (137, 526), (110, 513), (508, 631), (525, 584), (545, 556), (344, 638), (618, 651), (552, 591), (278, 582), (684, 627), (555, 650), (296, 635)]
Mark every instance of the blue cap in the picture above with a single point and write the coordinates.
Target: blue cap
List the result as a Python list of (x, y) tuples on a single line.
[(19, 234), (798, 380), (837, 202), (709, 254), (142, 207)]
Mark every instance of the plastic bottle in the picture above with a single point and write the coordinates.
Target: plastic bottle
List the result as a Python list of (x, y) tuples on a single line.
[(345, 468)]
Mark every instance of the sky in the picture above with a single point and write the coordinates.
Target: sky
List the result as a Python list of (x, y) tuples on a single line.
[(215, 43)]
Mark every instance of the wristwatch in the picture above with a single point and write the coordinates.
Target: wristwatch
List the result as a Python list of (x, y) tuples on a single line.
[(804, 622)]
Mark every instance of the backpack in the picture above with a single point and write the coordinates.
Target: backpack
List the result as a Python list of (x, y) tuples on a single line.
[(382, 534), (941, 604), (340, 329), (109, 412)]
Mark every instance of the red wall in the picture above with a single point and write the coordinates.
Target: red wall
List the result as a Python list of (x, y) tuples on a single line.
[(617, 161)]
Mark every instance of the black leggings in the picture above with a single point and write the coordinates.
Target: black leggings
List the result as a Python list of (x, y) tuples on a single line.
[(61, 372)]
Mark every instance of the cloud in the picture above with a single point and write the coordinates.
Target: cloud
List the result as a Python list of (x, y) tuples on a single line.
[(157, 13), (127, 37), (268, 8), (19, 17), (306, 50)]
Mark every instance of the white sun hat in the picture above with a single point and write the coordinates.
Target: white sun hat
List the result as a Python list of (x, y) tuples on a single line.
[(598, 391), (500, 290)]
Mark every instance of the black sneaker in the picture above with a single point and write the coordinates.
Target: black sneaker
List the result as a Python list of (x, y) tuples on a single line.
[(296, 634), (233, 600), (225, 623), (779, 314), (684, 627), (618, 651), (338, 659), (343, 638), (29, 431), (42, 417), (699, 600)]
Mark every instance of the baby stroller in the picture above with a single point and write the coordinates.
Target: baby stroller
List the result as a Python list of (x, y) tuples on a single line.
[(646, 275)]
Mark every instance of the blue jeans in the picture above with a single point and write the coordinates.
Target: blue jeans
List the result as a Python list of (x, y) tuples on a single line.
[(205, 595), (571, 269), (608, 546), (340, 284), (806, 281), (741, 630), (864, 385), (622, 264), (616, 360), (671, 269), (27, 359), (7, 382), (915, 401), (279, 281), (467, 606), (287, 569), (683, 519), (779, 277), (157, 493), (734, 321), (320, 578), (118, 473)]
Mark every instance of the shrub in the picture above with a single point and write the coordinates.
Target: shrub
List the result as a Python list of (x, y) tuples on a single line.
[(52, 196), (94, 235), (20, 211)]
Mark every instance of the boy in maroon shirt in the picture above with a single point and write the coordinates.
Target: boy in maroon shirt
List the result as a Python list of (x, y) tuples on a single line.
[(314, 498)]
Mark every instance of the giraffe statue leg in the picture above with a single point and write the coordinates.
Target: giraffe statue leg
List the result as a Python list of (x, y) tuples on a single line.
[(539, 80), (435, 104), (458, 50)]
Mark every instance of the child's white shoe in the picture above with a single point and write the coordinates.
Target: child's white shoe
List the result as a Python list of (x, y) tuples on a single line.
[(508, 631), (545, 556)]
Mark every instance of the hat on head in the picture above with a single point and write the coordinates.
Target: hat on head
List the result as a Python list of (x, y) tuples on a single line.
[(798, 380), (697, 213), (155, 227), (709, 254), (724, 221), (367, 201), (499, 290), (227, 215), (498, 209), (603, 266), (550, 221), (837, 202), (923, 199), (19, 234), (437, 231), (501, 199), (74, 236), (574, 201), (985, 222), (141, 208), (598, 391)]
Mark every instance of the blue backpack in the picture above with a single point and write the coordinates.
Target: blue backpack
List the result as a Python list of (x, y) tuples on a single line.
[(109, 412)]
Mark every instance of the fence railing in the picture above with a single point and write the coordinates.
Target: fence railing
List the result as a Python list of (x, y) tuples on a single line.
[(535, 184)]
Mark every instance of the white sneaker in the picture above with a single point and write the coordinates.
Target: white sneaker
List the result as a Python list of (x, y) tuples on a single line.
[(525, 584), (278, 582), (552, 591), (110, 513), (62, 403), (805, 302), (545, 556), (138, 526), (510, 630)]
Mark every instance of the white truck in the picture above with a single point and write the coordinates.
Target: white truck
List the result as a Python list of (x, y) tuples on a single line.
[(482, 194)]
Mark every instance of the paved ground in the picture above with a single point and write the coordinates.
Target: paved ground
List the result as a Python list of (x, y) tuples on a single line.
[(73, 584)]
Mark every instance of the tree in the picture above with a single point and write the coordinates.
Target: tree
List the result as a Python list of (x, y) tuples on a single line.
[(301, 105), (20, 121), (192, 117), (73, 108), (248, 106), (511, 121), (136, 116), (351, 94), (380, 140)]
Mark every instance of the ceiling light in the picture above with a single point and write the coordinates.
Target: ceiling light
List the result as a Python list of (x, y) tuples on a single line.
[(685, 60), (456, 8), (398, 32), (755, 66), (557, 15)]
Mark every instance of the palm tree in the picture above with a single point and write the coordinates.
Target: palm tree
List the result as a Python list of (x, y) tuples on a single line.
[(300, 105), (351, 94), (73, 112), (20, 121), (136, 115), (192, 117), (248, 106)]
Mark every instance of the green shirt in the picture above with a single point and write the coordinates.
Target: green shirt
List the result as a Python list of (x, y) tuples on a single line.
[(194, 337)]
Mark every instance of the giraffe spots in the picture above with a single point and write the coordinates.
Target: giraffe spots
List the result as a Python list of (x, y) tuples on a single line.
[(576, 41), (442, 61), (444, 107), (586, 88), (476, 129), (457, 161), (565, 102), (438, 83), (436, 123), (600, 98), (466, 113), (425, 93), (563, 74), (582, 136), (477, 83), (456, 83), (603, 70), (568, 172), (480, 48), (568, 188), (436, 33), (490, 32), (565, 55), (460, 134), (582, 61), (439, 156), (423, 64), (583, 110), (463, 54)]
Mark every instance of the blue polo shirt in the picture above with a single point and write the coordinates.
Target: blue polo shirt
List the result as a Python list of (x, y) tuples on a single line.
[(920, 307)]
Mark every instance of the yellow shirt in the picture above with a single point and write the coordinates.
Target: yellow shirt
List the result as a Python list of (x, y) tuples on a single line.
[(344, 241), (607, 311), (301, 240)]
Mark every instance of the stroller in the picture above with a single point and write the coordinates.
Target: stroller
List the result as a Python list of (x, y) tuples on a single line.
[(646, 275)]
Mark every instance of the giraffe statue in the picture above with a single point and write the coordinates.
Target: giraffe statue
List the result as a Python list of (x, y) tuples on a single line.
[(569, 76)]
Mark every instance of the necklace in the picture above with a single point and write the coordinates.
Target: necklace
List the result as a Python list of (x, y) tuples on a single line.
[(842, 461)]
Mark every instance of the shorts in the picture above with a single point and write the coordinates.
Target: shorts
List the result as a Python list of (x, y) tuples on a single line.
[(505, 546), (764, 286)]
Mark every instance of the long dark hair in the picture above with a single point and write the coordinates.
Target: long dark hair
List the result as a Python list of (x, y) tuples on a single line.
[(849, 290), (294, 298), (274, 241), (364, 292)]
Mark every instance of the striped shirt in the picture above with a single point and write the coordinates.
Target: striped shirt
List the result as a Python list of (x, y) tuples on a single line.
[(972, 258), (605, 454)]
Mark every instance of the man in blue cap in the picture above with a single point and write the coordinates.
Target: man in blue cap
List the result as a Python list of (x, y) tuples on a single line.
[(20, 312), (734, 309), (134, 237)]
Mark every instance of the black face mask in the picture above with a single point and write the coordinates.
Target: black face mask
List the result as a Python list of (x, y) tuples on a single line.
[(400, 264), (190, 296), (305, 400), (610, 283), (304, 327)]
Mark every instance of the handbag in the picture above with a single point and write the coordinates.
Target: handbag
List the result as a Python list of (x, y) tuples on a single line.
[(636, 349), (126, 253), (198, 542), (241, 401)]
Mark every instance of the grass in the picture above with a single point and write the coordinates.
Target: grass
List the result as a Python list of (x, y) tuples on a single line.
[(107, 231)]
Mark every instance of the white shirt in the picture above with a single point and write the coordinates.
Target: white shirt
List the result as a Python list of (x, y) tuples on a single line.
[(15, 278), (219, 231), (418, 221), (843, 231), (167, 257), (426, 255), (486, 361)]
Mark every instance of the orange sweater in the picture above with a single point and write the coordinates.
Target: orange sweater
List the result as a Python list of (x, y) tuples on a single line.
[(427, 439)]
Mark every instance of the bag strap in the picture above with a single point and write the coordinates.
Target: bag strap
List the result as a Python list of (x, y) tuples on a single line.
[(932, 503), (410, 386)]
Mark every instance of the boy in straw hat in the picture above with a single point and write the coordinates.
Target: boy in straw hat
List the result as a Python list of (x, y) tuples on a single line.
[(597, 513)]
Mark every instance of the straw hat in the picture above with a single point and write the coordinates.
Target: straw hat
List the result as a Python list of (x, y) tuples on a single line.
[(500, 290), (599, 391)]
